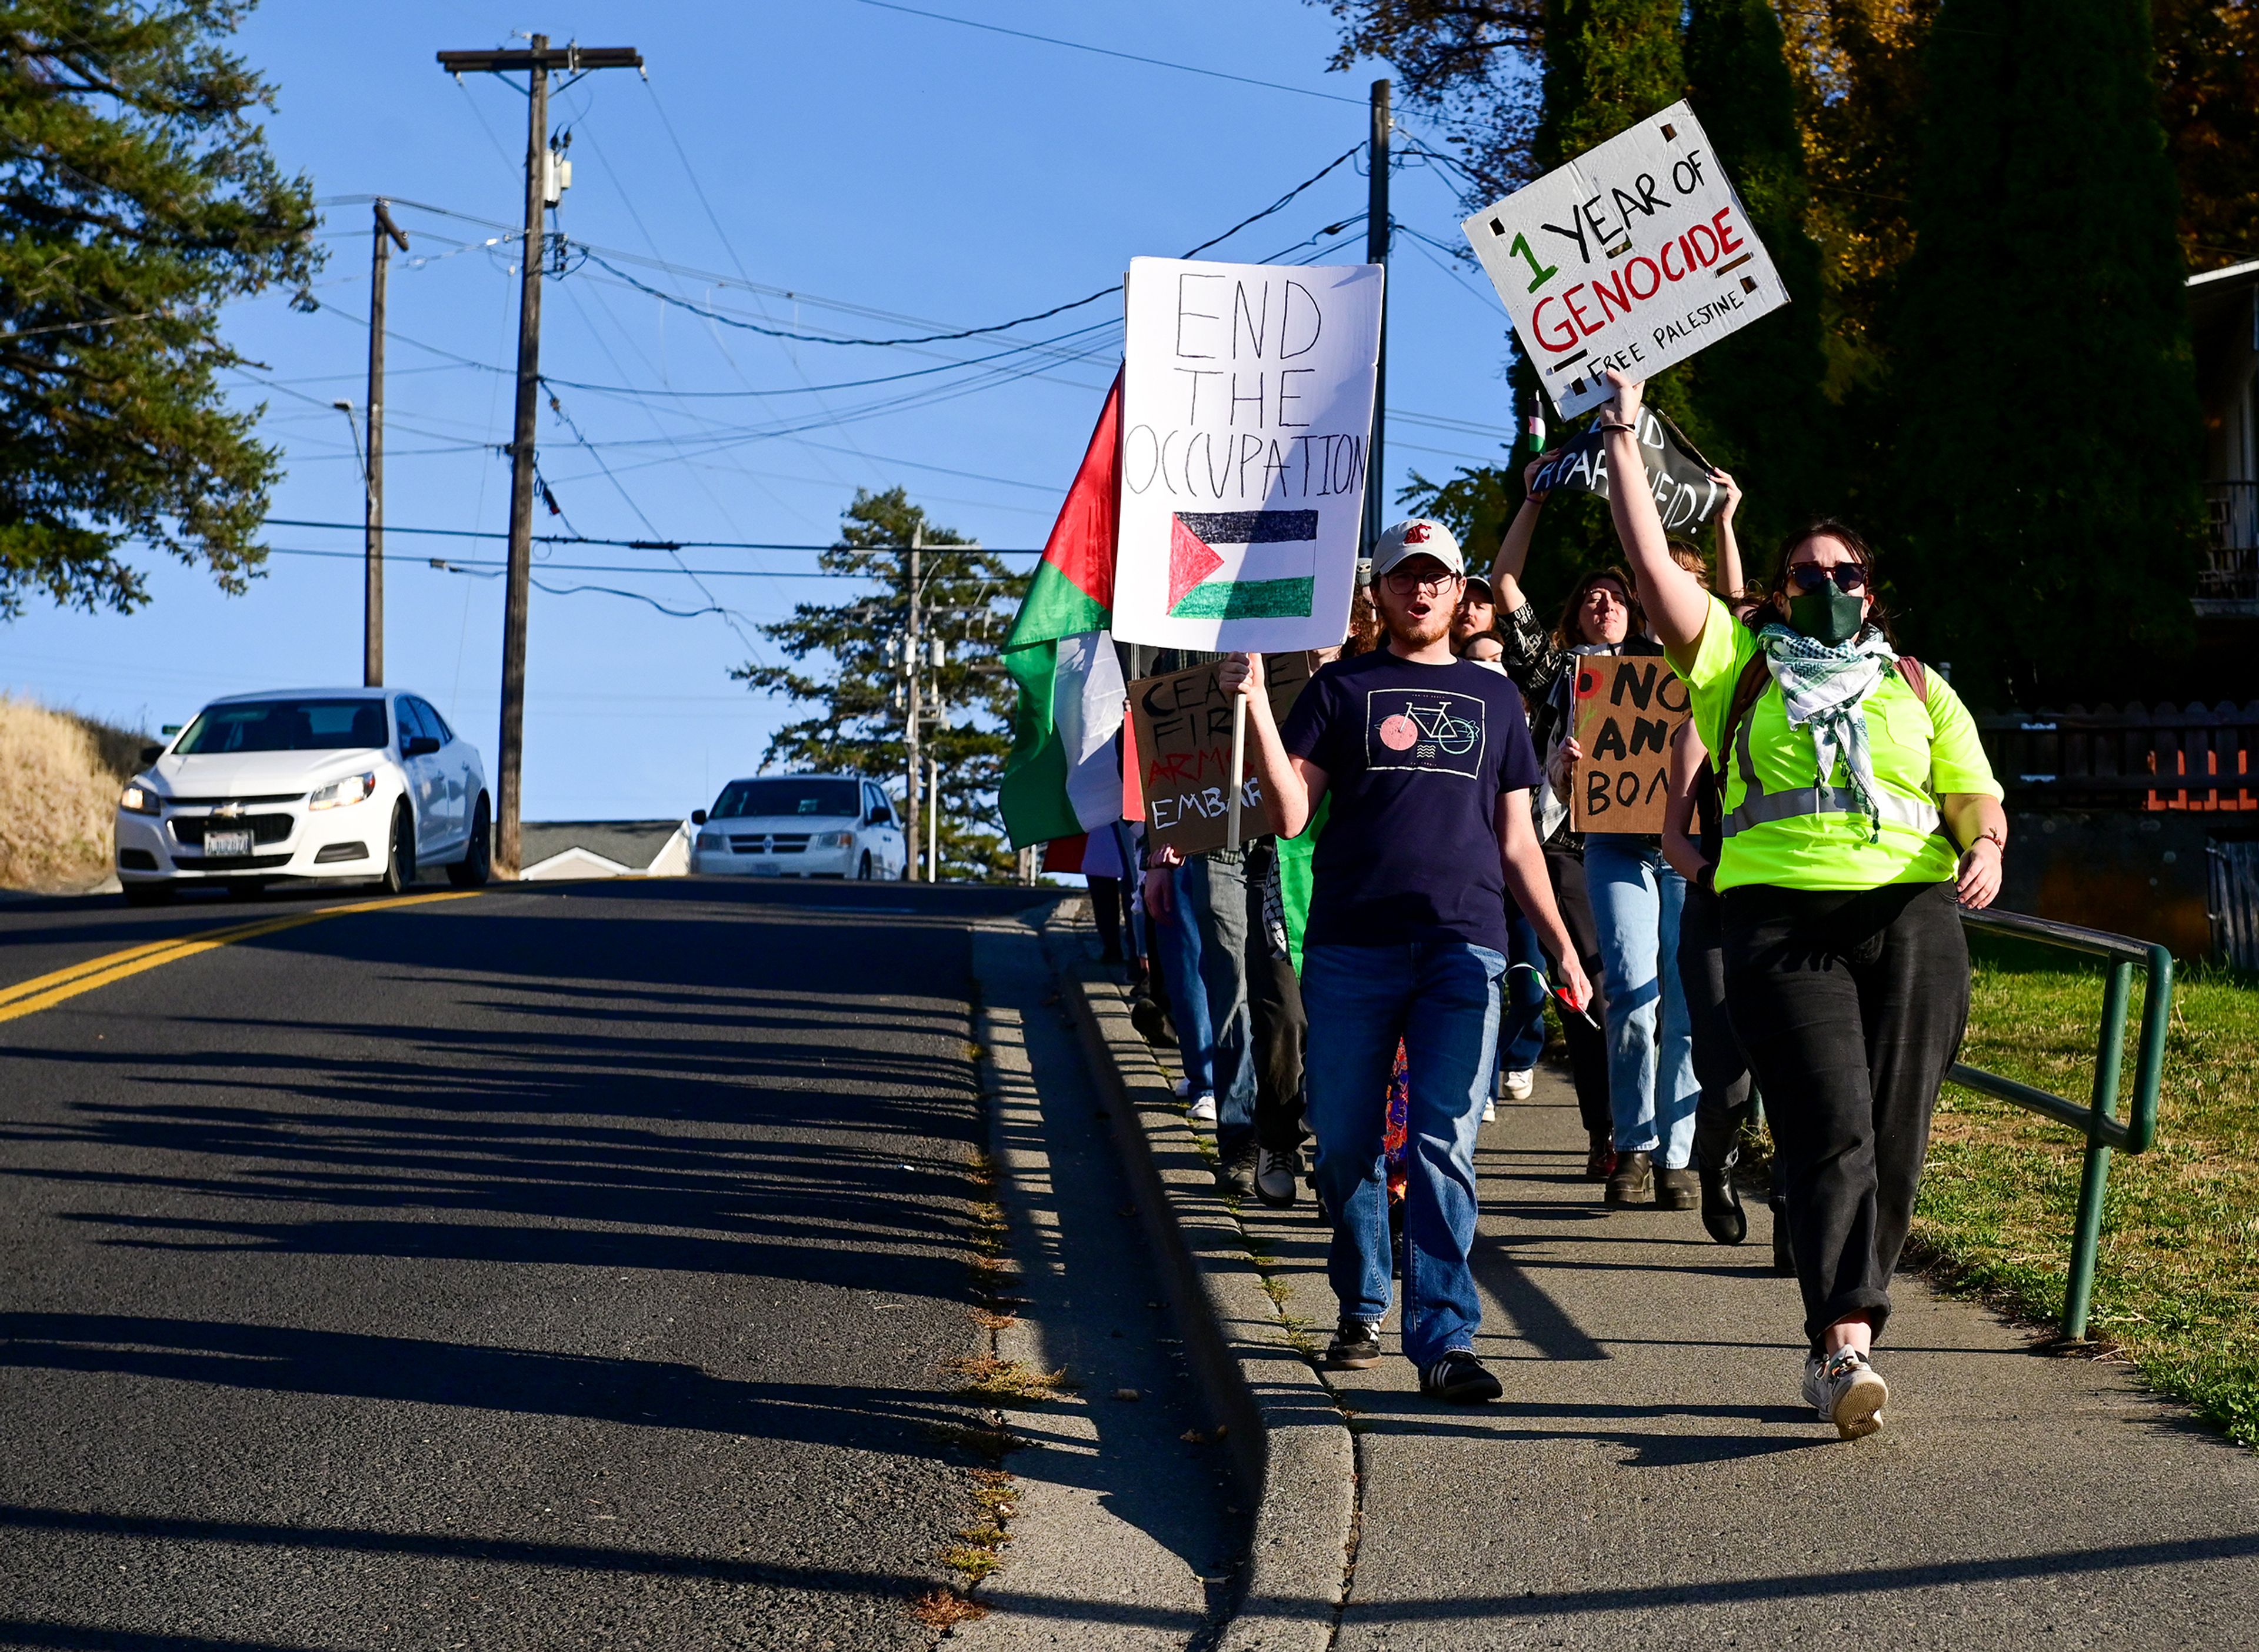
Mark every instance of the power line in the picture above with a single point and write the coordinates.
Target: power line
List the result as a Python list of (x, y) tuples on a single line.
[(647, 544), (1100, 51)]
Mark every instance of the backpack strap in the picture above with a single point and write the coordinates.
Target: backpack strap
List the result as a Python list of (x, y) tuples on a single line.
[(1756, 678), (1916, 677)]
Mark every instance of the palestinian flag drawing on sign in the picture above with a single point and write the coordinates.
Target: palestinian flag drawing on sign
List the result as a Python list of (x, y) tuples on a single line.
[(1276, 576), (1063, 776)]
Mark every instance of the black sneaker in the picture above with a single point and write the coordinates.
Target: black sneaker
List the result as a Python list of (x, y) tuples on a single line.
[(1722, 1215), (1356, 1346), (1235, 1172), (1460, 1379)]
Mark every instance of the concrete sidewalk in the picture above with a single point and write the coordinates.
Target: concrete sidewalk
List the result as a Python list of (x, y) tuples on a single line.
[(1652, 1479)]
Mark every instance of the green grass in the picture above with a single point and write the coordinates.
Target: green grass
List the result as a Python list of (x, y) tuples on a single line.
[(2176, 1286)]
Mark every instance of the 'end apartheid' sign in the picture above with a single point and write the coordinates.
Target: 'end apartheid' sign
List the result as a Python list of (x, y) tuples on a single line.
[(1628, 707), (1634, 255), (1685, 492), (1183, 728)]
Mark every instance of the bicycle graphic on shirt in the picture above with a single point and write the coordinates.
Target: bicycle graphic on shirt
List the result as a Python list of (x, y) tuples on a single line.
[(1435, 725)]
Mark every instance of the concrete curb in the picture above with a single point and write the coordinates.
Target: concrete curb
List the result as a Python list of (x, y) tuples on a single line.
[(1289, 1444)]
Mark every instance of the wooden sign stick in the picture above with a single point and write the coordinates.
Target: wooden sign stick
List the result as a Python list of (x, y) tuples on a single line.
[(1239, 768)]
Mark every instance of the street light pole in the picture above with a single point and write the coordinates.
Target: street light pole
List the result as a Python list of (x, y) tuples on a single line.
[(371, 637)]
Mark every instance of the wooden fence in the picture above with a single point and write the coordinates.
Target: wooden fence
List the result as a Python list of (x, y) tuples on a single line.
[(2202, 758)]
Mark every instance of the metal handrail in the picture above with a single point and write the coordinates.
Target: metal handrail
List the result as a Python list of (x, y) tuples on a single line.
[(2097, 1119)]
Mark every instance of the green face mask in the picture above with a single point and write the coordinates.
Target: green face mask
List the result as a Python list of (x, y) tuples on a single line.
[(1828, 615)]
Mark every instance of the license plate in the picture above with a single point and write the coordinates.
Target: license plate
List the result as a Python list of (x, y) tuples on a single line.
[(764, 869), (228, 842)]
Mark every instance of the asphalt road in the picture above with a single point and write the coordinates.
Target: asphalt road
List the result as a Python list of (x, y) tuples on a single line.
[(551, 1267)]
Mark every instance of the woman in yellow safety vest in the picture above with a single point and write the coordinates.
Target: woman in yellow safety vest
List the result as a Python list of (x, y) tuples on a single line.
[(1858, 808)]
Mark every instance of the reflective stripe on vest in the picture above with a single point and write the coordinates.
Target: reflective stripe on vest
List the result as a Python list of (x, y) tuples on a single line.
[(1761, 808)]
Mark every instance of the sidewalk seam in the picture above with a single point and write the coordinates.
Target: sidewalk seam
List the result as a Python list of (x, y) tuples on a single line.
[(1291, 1448)]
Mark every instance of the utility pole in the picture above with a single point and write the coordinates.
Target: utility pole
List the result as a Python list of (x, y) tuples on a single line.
[(371, 625), (913, 558), (540, 167), (1376, 252), (932, 820)]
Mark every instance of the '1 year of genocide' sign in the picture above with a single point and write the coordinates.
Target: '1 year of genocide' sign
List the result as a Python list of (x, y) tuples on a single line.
[(1246, 418), (1634, 255)]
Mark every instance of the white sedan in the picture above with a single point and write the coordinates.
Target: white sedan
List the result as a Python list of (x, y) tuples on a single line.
[(311, 783), (800, 825)]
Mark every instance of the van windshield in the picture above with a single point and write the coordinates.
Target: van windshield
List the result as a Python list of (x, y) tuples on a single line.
[(285, 725), (783, 796)]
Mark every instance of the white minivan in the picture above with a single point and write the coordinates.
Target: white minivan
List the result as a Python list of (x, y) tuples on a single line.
[(305, 783), (800, 825)]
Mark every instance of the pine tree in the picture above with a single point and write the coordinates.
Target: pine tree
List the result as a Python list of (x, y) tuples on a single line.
[(136, 196), (2048, 425), (1759, 392), (856, 648)]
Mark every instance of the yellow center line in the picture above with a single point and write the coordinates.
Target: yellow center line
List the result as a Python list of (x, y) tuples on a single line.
[(45, 992)]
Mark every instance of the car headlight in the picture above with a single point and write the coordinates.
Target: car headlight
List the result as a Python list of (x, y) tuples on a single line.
[(354, 789), (140, 799), (710, 840), (833, 840)]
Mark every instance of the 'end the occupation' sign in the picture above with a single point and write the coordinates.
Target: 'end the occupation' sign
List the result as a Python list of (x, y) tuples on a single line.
[(1634, 255)]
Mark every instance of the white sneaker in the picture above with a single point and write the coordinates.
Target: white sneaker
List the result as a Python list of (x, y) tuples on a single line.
[(1518, 1085), (1490, 1113), (1277, 1177), (1184, 1088), (1842, 1388), (1203, 1109)]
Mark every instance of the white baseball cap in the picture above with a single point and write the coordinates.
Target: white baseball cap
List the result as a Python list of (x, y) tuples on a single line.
[(1420, 536)]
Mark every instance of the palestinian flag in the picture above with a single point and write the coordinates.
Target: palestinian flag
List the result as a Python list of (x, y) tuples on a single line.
[(1063, 776)]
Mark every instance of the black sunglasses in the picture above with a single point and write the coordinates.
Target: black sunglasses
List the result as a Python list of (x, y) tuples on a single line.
[(1810, 576)]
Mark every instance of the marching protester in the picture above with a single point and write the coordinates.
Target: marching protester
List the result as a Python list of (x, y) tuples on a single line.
[(1599, 617), (1858, 807), (1426, 762), (1176, 953)]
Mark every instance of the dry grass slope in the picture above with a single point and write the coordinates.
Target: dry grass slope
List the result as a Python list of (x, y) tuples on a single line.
[(60, 777)]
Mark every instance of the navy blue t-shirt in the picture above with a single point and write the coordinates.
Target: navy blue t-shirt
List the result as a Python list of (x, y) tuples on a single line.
[(1415, 757)]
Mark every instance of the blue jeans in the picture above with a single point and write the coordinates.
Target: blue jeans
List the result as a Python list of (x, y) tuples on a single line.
[(1212, 891), (1636, 898), (1521, 1028), (1441, 997), (1177, 944)]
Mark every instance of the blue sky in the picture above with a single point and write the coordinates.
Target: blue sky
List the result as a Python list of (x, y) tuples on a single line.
[(864, 171)]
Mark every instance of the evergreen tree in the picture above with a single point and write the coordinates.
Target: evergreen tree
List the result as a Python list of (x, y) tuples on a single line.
[(137, 195), (852, 659), (1760, 390), (2048, 425)]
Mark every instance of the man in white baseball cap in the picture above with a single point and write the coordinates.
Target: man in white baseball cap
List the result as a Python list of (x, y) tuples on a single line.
[(1427, 761)]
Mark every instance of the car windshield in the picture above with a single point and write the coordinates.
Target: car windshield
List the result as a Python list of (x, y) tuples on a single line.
[(787, 797), (285, 725)]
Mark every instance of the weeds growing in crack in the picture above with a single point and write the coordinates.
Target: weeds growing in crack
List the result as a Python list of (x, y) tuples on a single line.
[(998, 1381)]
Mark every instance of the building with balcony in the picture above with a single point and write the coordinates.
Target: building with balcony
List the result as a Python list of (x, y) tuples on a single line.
[(2224, 317)]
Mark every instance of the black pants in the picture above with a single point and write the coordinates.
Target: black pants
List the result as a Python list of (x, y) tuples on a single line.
[(1108, 908), (1851, 1005), (1588, 1046), (1282, 1030), (1719, 1066)]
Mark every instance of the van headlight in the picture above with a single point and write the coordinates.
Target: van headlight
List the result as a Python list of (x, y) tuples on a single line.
[(138, 798), (832, 840), (710, 841), (354, 789)]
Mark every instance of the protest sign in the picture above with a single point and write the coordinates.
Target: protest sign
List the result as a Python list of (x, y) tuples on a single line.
[(1628, 707), (1634, 255), (1246, 417), (1182, 737), (1685, 494)]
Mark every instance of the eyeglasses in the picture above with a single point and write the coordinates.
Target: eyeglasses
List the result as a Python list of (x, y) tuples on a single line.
[(1405, 584), (1810, 576)]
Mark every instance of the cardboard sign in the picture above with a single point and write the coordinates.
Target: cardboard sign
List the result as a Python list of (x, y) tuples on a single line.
[(1246, 418), (1183, 742), (1685, 494), (1634, 255), (1628, 707)]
